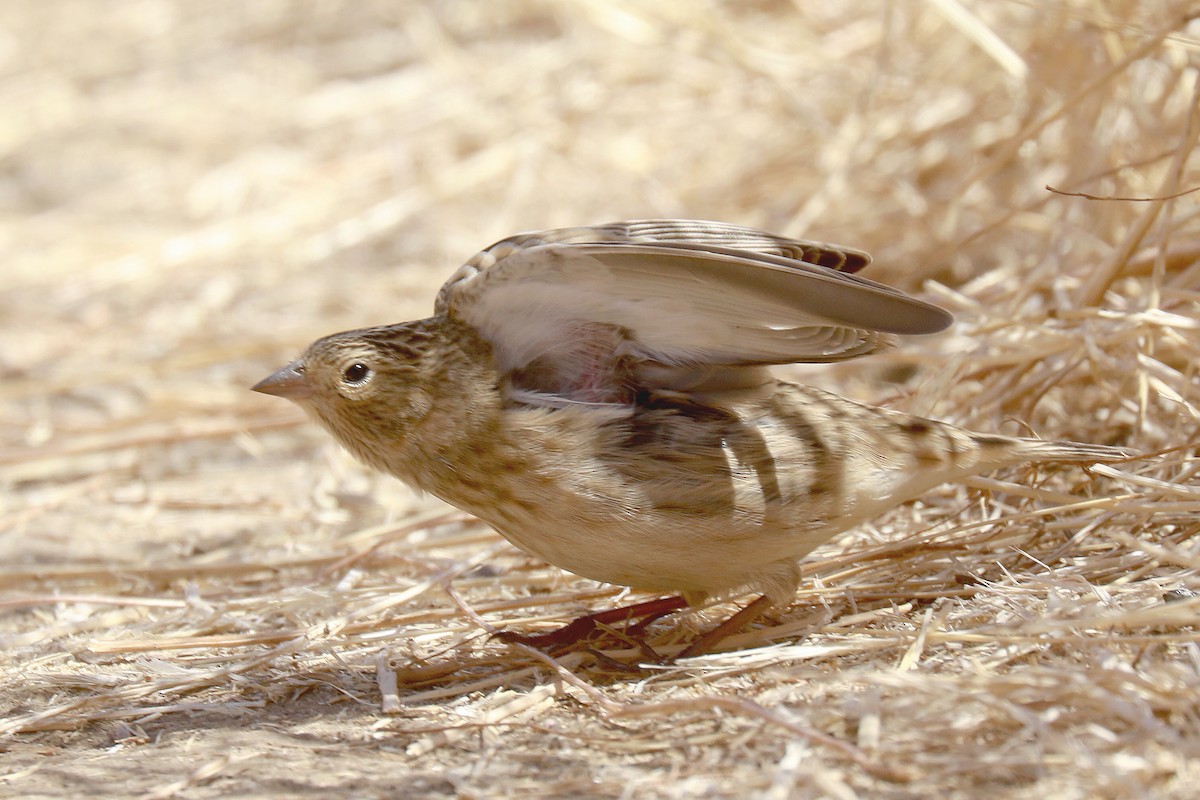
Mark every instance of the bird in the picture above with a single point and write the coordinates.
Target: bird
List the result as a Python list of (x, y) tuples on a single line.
[(602, 396)]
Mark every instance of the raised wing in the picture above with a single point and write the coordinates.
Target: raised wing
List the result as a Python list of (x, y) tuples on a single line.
[(673, 300)]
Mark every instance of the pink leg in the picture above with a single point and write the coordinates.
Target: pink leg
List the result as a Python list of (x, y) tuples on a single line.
[(727, 628), (580, 629)]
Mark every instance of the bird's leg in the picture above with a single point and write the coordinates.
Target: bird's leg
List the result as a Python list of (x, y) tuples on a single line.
[(581, 628), (645, 613), (741, 619)]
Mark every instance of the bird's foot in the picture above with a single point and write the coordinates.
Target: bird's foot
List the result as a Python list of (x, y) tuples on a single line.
[(705, 644), (616, 623), (585, 627)]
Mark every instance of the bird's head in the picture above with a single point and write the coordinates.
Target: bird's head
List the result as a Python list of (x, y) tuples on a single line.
[(366, 387)]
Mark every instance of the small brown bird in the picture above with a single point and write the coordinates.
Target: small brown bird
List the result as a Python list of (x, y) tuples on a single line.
[(601, 396)]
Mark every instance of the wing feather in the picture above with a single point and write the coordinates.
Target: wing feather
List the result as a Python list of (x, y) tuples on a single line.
[(681, 293)]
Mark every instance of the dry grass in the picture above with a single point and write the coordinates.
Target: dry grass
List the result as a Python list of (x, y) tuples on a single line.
[(203, 598)]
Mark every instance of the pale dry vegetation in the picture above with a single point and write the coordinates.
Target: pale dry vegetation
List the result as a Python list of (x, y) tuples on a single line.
[(202, 597)]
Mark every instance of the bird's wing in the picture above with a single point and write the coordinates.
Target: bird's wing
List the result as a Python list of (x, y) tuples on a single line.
[(675, 293)]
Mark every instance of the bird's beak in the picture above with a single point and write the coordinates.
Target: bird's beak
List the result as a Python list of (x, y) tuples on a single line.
[(289, 382)]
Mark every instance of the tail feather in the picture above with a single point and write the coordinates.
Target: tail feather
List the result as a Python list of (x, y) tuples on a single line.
[(1075, 452)]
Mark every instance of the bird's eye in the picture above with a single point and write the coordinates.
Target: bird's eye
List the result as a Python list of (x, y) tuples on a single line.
[(356, 373)]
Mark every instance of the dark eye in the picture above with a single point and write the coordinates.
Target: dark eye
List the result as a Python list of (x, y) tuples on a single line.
[(356, 373)]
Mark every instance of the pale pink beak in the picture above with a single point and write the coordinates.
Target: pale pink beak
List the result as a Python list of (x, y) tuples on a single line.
[(288, 382)]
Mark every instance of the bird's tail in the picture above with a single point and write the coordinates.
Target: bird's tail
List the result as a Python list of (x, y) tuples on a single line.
[(1075, 452)]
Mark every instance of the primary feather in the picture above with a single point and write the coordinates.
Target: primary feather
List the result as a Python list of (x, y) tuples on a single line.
[(704, 298)]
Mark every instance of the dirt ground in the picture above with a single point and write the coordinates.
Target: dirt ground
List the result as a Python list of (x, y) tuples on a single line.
[(201, 596)]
